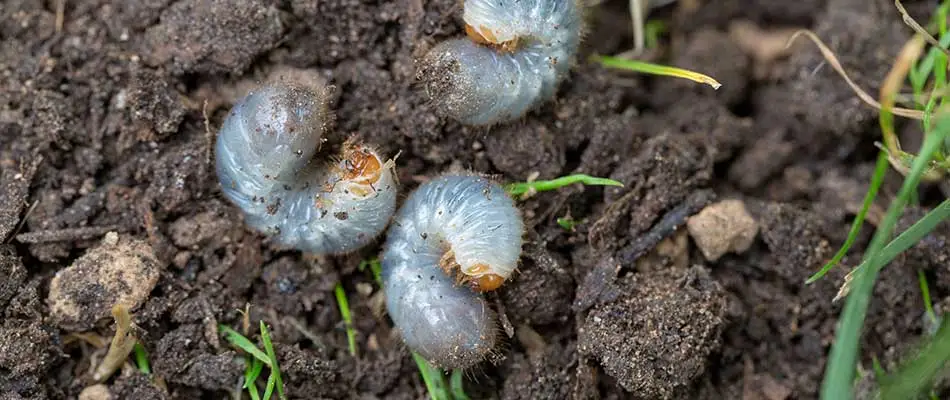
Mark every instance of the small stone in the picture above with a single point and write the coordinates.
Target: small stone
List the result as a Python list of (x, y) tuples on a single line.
[(723, 227), (118, 271), (95, 392)]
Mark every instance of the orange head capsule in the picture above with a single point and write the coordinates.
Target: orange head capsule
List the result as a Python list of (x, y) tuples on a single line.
[(482, 279), (487, 282), (359, 163), (485, 36)]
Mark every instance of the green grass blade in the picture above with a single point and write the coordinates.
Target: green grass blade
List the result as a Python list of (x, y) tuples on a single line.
[(252, 391), (457, 386), (432, 377), (347, 318), (244, 343), (274, 367), (916, 232), (652, 31), (520, 188), (879, 171), (921, 71), (141, 358), (879, 372), (839, 375), (655, 69), (942, 12), (925, 293), (269, 388), (917, 375), (567, 223), (375, 266), (253, 371), (912, 235), (250, 378)]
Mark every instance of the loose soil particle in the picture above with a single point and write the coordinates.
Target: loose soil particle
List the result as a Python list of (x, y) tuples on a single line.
[(117, 272), (655, 337), (723, 227)]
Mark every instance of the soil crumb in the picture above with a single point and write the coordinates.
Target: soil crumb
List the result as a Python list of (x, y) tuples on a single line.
[(656, 336), (723, 227), (13, 273), (115, 272), (211, 36)]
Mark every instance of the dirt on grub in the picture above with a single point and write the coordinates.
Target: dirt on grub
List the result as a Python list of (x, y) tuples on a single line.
[(103, 128)]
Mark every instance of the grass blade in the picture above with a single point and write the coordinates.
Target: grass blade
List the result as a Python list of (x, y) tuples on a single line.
[(655, 69), (917, 28), (269, 388), (344, 306), (909, 55), (244, 343), (917, 375), (432, 377), (879, 372), (925, 293), (252, 391), (457, 387), (876, 180), (250, 378), (523, 188), (253, 371), (916, 232), (652, 31), (274, 368), (375, 267), (839, 375), (912, 235), (141, 358), (836, 65)]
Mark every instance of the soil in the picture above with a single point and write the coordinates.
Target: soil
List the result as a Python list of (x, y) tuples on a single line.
[(107, 116)]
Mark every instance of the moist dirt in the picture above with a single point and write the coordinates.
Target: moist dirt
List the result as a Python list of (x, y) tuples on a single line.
[(108, 112)]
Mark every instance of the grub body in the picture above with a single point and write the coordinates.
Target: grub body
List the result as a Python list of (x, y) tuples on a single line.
[(470, 225), (515, 56), (268, 161)]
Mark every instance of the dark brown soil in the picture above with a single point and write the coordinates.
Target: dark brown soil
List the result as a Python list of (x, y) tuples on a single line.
[(102, 129)]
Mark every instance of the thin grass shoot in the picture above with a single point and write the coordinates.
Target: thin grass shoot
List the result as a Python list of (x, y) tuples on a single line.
[(141, 358), (526, 189), (655, 69), (344, 306)]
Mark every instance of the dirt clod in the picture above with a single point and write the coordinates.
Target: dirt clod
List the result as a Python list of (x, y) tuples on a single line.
[(211, 36), (138, 387), (118, 271), (309, 375), (154, 105), (721, 228), (185, 357), (543, 290), (541, 377), (96, 392), (795, 239), (27, 348), (14, 184), (196, 230), (13, 273), (656, 336)]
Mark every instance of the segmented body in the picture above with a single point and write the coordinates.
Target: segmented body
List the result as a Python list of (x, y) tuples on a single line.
[(470, 228), (265, 161), (517, 53)]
